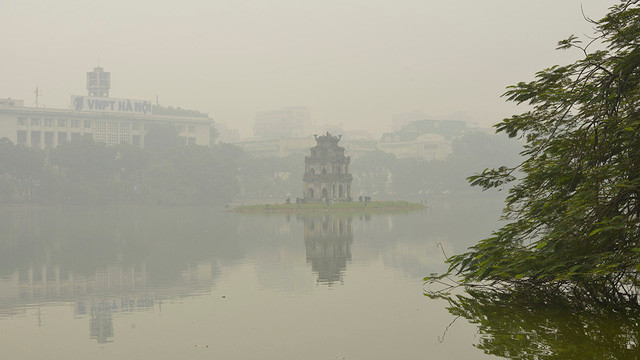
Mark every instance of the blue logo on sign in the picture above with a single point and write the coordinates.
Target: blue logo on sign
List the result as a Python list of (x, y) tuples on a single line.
[(79, 103)]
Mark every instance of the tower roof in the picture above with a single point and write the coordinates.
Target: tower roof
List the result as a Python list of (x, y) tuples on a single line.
[(327, 138)]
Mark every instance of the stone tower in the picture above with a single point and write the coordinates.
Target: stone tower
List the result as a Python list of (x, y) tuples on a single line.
[(326, 173)]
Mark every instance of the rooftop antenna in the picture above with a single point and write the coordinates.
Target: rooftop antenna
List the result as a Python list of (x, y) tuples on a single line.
[(38, 93)]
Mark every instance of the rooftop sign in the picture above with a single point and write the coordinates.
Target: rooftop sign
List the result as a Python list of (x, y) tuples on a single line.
[(100, 104)]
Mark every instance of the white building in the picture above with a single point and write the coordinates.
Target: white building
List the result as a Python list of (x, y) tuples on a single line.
[(425, 146), (105, 119), (226, 134), (423, 139)]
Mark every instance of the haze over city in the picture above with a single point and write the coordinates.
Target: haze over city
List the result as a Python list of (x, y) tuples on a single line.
[(285, 179), (353, 63)]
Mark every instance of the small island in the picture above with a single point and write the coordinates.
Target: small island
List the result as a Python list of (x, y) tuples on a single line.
[(346, 206), (327, 185)]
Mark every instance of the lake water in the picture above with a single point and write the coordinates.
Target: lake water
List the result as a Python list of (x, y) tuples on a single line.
[(198, 283)]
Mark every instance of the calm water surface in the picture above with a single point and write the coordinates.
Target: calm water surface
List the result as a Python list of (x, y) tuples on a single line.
[(198, 283)]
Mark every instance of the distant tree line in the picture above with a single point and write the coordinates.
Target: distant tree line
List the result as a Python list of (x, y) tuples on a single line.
[(382, 175), (88, 172), (169, 172)]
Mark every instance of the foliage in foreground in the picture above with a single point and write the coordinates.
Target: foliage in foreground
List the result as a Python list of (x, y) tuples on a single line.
[(573, 218), (526, 323)]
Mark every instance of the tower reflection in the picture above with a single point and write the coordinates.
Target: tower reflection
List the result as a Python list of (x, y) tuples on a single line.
[(327, 241), (101, 323)]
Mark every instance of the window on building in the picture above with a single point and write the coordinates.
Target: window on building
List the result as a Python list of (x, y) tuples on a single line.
[(191, 141), (48, 139), (180, 128), (87, 124), (75, 124), (22, 121), (62, 123), (135, 140), (22, 137), (35, 122), (191, 129), (48, 122), (36, 140), (62, 137), (135, 126)]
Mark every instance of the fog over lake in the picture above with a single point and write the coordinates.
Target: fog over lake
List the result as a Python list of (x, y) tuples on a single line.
[(161, 283), (285, 180)]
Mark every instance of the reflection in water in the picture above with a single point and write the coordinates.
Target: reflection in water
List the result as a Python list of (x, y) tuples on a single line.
[(101, 323), (535, 324), (327, 241), (49, 283), (105, 261), (111, 262)]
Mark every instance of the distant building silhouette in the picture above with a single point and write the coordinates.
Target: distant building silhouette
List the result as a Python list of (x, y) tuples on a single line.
[(98, 116), (423, 139), (286, 123), (98, 83)]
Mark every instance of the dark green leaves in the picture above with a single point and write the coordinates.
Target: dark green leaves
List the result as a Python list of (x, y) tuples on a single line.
[(490, 178), (575, 209)]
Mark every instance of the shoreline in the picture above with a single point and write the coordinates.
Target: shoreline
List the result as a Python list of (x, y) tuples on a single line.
[(371, 206)]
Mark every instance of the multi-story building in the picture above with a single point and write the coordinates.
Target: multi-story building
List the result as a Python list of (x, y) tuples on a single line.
[(286, 123), (424, 139), (105, 119)]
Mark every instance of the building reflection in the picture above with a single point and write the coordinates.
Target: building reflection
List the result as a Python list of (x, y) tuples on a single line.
[(327, 242), (114, 290), (101, 323), (113, 262), (108, 262)]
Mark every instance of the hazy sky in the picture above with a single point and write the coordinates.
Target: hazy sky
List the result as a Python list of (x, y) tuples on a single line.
[(354, 63)]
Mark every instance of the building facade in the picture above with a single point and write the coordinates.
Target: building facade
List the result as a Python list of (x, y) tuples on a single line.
[(286, 123), (326, 175), (423, 139), (104, 119)]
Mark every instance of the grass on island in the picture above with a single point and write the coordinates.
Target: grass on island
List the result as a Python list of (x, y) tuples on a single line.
[(345, 205)]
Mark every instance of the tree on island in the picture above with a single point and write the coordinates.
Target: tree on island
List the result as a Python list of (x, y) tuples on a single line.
[(573, 216)]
